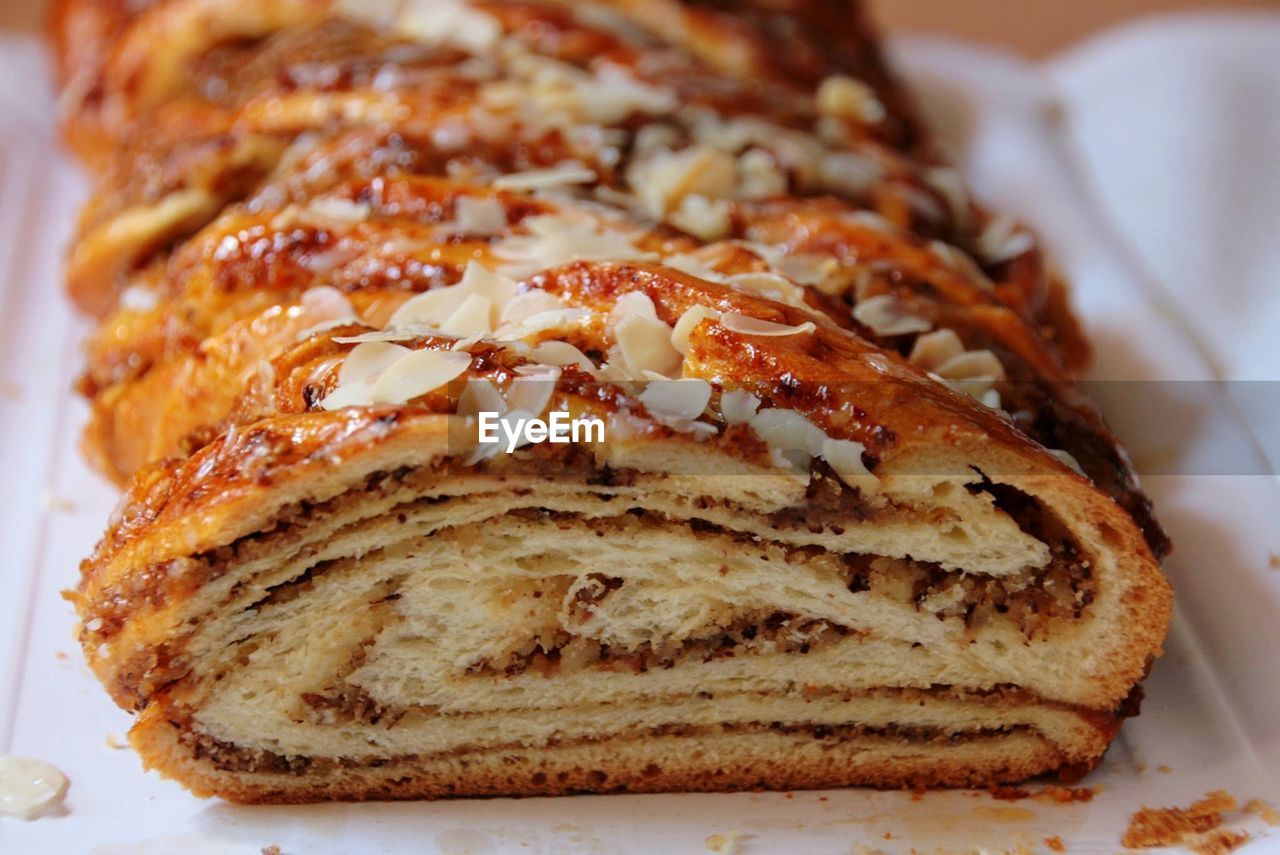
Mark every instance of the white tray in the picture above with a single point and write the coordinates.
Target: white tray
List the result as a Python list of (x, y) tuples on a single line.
[(1210, 716)]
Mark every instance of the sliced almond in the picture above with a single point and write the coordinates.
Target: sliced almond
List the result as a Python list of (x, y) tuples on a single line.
[(885, 315), (693, 265), (759, 175), (645, 345), (747, 325), (1068, 460), (526, 304), (480, 216), (532, 394), (446, 21), (849, 98), (844, 456), (480, 396), (474, 315), (430, 308), (684, 327), (335, 211), (738, 407), (676, 402), (368, 360), (559, 320), (936, 348), (565, 174), (790, 433), (29, 787), (560, 353), (972, 365), (633, 303), (553, 240), (704, 218), (769, 285), (417, 373)]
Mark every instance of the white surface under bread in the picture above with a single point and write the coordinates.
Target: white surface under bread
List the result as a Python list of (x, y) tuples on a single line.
[(1210, 709)]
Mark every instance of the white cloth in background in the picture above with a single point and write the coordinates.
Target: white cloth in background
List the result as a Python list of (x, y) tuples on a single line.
[(1177, 121)]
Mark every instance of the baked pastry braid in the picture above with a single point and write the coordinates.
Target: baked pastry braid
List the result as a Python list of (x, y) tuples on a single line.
[(845, 518)]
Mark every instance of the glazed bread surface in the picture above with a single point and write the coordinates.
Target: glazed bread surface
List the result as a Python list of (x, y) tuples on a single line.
[(849, 520)]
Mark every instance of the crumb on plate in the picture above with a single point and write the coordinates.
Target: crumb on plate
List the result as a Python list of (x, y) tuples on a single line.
[(1264, 811), (1197, 827), (725, 844)]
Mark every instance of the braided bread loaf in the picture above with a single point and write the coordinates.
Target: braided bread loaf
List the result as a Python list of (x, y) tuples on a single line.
[(847, 518)]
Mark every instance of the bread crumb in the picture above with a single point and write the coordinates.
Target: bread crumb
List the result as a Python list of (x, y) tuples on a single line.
[(1066, 795), (1163, 769), (1051, 793), (726, 844), (1273, 560), (1055, 844), (273, 849), (50, 502), (113, 741), (1263, 811), (1196, 827), (1220, 842)]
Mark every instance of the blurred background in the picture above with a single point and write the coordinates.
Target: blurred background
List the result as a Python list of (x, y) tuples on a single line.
[(1033, 28)]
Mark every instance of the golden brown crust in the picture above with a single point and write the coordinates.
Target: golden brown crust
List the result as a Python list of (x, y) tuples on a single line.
[(763, 168), (649, 764)]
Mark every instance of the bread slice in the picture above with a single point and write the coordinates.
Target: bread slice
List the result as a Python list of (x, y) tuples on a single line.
[(847, 519)]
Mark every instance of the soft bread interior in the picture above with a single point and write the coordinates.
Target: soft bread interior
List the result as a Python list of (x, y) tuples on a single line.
[(426, 612)]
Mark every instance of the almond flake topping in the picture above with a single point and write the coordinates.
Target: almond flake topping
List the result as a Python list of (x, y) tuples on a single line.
[(468, 307), (676, 403), (139, 298), (566, 174), (363, 366), (707, 219), (844, 456), (324, 307), (1068, 460), (770, 285), (1002, 239), (445, 21), (849, 98), (556, 239), (417, 373), (970, 372), (560, 353), (335, 211), (692, 316), (738, 407), (885, 315), (644, 344), (29, 787), (480, 396), (480, 216), (747, 325), (664, 178)]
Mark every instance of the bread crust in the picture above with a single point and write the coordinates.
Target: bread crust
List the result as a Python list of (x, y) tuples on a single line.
[(652, 764)]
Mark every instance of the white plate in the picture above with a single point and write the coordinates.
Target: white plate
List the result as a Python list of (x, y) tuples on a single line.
[(1210, 714)]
